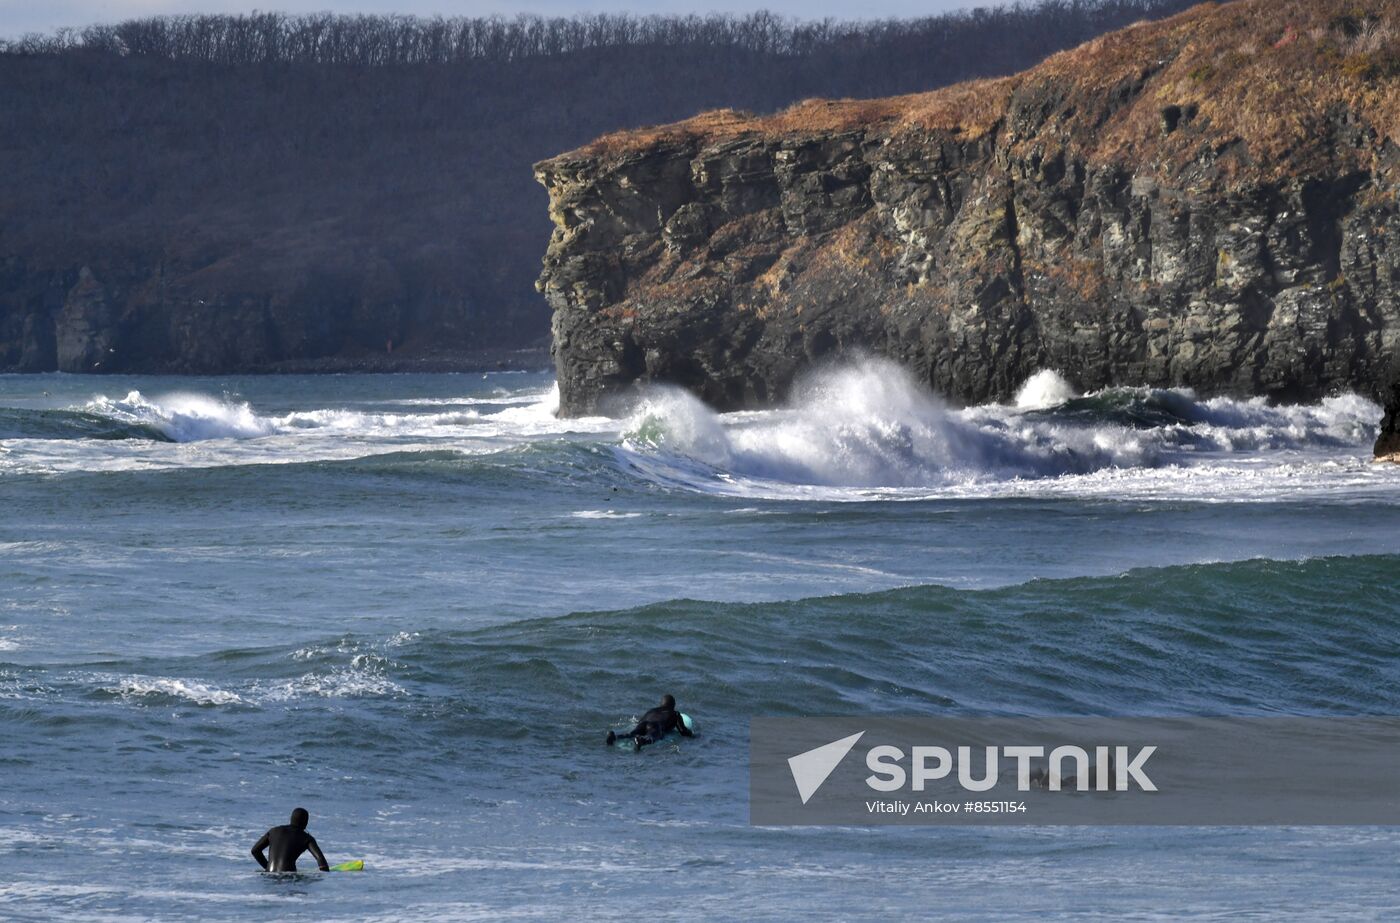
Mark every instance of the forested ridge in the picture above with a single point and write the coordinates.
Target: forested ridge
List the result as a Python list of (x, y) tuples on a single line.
[(208, 193)]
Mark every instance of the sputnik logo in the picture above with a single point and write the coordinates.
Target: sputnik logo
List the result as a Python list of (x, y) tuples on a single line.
[(812, 768)]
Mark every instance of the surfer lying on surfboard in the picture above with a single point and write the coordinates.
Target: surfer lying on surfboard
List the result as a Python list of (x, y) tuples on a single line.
[(287, 843), (655, 725)]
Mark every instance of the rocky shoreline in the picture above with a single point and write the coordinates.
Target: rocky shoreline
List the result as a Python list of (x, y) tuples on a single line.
[(1209, 201)]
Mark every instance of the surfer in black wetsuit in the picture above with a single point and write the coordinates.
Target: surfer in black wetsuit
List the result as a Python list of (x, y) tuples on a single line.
[(654, 725), (287, 843)]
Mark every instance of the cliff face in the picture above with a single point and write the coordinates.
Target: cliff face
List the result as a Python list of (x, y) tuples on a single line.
[(1208, 201), (1388, 442), (149, 314)]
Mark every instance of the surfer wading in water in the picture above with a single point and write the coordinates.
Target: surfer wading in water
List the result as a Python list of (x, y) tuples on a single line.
[(286, 844), (655, 725)]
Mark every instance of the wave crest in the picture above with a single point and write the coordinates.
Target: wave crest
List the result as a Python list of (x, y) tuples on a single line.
[(199, 418), (170, 690), (185, 417), (1046, 388), (871, 425)]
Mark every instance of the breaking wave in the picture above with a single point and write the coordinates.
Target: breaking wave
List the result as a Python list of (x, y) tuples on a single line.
[(199, 417), (1046, 388), (202, 417), (23, 423), (169, 690), (870, 425), (866, 430)]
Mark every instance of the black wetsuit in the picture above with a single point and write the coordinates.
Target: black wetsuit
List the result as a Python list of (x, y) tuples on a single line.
[(286, 843), (655, 725)]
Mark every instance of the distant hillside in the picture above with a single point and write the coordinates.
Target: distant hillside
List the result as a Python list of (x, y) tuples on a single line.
[(261, 192)]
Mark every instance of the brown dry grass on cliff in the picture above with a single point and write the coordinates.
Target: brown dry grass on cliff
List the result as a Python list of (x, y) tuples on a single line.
[(1084, 277), (1273, 74), (967, 109)]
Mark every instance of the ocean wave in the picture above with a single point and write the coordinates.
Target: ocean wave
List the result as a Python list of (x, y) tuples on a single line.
[(199, 418), (1046, 388), (202, 417), (864, 431), (204, 431), (342, 683), (1181, 639), (367, 674), (870, 425), (26, 423), (167, 690), (1247, 637), (499, 397), (185, 417)]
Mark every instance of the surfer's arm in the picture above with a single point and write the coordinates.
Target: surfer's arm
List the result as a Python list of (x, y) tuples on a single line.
[(316, 852), (258, 848), (680, 726)]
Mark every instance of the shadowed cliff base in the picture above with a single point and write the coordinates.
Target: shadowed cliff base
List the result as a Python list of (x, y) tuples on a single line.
[(1207, 201), (220, 193), (1388, 442)]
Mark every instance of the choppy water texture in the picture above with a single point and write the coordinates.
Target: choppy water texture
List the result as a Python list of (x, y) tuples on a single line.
[(414, 604)]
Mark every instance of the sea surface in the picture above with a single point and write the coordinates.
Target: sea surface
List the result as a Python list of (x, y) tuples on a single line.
[(415, 604)]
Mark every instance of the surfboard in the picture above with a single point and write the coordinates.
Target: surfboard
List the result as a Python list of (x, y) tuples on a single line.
[(354, 865), (688, 721)]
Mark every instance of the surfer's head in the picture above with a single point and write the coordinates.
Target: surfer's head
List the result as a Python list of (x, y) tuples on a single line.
[(300, 818), (668, 701)]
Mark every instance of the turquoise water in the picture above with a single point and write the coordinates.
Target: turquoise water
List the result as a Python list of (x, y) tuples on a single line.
[(415, 604)]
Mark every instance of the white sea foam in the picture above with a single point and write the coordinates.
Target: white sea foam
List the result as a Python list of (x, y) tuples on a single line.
[(185, 417), (10, 687), (350, 421), (209, 431), (870, 425), (863, 431), (500, 397), (198, 418), (140, 687), (1046, 388), (339, 683), (603, 514), (201, 417), (364, 677), (868, 430)]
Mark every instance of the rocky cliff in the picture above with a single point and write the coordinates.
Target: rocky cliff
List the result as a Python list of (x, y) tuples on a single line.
[(151, 313), (1388, 442), (1207, 201)]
